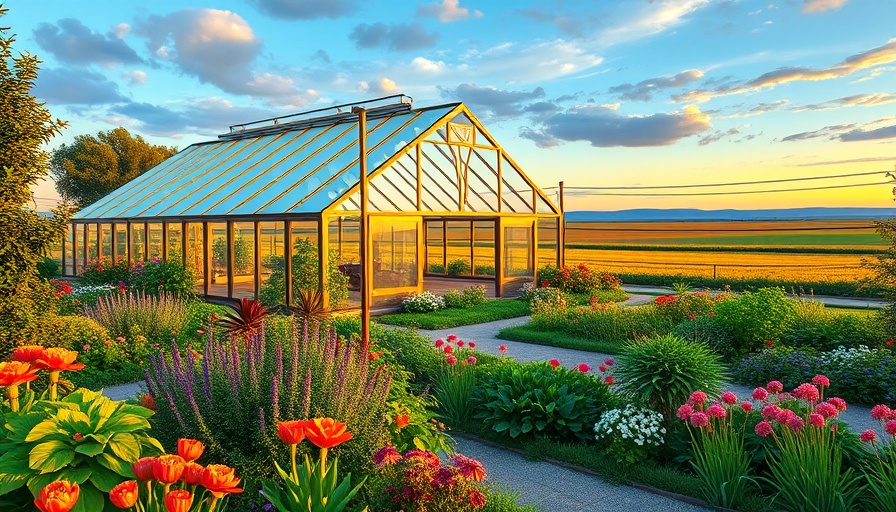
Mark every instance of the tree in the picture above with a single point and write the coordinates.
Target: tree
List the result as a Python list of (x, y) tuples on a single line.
[(92, 166), (883, 269)]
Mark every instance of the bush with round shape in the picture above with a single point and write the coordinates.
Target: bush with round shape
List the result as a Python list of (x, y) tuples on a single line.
[(661, 372), (425, 302), (71, 332), (707, 329), (458, 267), (753, 318)]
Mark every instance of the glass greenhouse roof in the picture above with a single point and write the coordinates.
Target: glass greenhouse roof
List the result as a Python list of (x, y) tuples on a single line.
[(299, 167)]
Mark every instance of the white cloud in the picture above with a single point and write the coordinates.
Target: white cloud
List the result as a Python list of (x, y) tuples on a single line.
[(425, 65), (121, 30), (447, 11), (656, 17), (812, 6), (135, 77)]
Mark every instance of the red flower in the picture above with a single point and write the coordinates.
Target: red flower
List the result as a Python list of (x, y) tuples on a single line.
[(503, 348), (697, 398), (471, 344), (27, 353), (869, 436), (716, 411), (601, 368), (747, 407), (386, 456), (816, 420), (554, 363), (59, 359), (545, 283), (890, 427), (190, 449), (729, 398), (477, 499), (827, 410), (775, 386), (684, 412), (608, 379), (770, 411), (124, 495), (880, 412), (143, 468), (837, 402), (609, 361), (402, 420), (806, 392), (763, 428), (821, 381), (13, 373), (168, 468), (58, 497), (469, 468), (220, 480), (760, 394), (460, 343), (795, 423), (770, 343), (178, 501), (327, 432), (292, 432), (193, 473), (439, 343), (699, 419), (452, 338), (891, 342), (449, 349), (471, 360), (451, 360)]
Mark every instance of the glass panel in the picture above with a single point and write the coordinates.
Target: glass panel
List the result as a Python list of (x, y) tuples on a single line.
[(175, 243), (217, 234), (106, 242), (394, 252), (543, 206), (243, 260), (515, 192), (91, 234), (138, 242), (121, 241), (79, 249), (305, 259), (484, 248), (55, 253), (458, 247), (69, 255), (393, 190), (271, 242), (439, 177), (196, 254), (155, 241), (517, 256), (483, 180), (435, 246), (547, 242), (345, 252)]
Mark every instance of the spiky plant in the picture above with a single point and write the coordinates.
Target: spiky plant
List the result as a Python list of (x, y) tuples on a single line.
[(245, 319), (309, 306)]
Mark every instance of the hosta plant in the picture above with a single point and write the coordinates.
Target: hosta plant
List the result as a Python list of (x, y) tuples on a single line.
[(541, 400)]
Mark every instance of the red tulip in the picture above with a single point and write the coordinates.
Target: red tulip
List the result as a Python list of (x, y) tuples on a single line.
[(124, 495)]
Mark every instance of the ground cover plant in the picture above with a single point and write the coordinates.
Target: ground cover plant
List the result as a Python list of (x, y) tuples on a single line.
[(489, 311)]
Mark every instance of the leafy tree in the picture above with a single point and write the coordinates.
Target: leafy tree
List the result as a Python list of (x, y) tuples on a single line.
[(92, 166), (883, 270)]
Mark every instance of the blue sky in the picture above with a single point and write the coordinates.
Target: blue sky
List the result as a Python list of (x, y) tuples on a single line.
[(612, 93)]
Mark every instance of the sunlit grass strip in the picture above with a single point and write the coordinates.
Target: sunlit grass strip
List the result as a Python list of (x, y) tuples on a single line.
[(529, 334), (498, 309)]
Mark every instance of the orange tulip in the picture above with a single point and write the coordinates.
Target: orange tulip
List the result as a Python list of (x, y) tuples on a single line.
[(58, 497), (124, 495), (190, 449), (143, 468), (27, 353), (168, 468), (326, 432), (13, 373), (193, 473), (220, 480), (292, 432), (178, 501), (59, 359)]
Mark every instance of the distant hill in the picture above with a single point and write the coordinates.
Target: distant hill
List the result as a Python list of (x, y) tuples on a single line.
[(684, 214)]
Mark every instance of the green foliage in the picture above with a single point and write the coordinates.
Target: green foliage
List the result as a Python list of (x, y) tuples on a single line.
[(84, 438), (883, 270), (688, 305), (833, 288), (22, 314), (305, 265), (155, 277), (529, 334), (661, 372), (453, 388), (421, 432), (605, 322), (71, 332), (103, 271), (129, 315), (312, 486), (47, 268), (709, 331), (789, 365), (496, 309), (471, 296), (458, 267), (753, 318), (536, 400), (92, 166), (580, 279), (243, 255), (880, 475), (820, 328)]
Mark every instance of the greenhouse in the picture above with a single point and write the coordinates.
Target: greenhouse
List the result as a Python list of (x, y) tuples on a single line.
[(273, 207)]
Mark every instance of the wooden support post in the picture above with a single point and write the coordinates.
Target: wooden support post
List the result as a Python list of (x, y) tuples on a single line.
[(366, 262)]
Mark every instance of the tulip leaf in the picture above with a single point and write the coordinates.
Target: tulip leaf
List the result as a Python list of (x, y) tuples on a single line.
[(19, 425), (50, 456)]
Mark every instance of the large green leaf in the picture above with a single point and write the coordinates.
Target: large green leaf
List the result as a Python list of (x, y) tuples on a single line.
[(73, 421), (136, 410), (76, 475), (89, 448), (47, 428), (114, 464), (50, 456), (126, 447), (124, 423), (19, 425), (91, 500), (11, 481)]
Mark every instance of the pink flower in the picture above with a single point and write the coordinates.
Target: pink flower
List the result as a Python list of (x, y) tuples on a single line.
[(881, 412), (806, 392), (699, 419), (697, 398), (747, 407), (869, 436), (472, 344), (770, 411), (775, 386), (584, 368), (684, 412), (784, 415), (890, 427), (729, 398), (827, 410), (602, 368), (716, 411), (554, 363), (763, 428), (837, 402), (608, 379), (816, 420), (385, 456), (610, 361), (451, 360), (503, 348), (439, 343), (460, 343), (760, 394), (448, 349), (821, 381), (770, 343), (471, 360), (452, 338), (795, 423)]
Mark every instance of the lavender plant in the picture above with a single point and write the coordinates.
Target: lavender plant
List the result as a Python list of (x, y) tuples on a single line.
[(233, 394), (158, 318)]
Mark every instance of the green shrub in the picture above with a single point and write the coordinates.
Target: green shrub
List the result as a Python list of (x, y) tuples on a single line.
[(485, 270), (129, 315), (453, 299), (688, 306), (305, 265), (788, 365), (22, 314), (579, 279), (708, 330), (155, 277), (753, 318), (661, 372), (106, 272), (535, 400), (471, 296), (71, 332), (605, 322), (824, 329), (453, 388), (458, 267), (424, 302), (47, 268)]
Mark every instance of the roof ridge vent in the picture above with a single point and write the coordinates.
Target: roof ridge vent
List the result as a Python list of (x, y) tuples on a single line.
[(320, 117)]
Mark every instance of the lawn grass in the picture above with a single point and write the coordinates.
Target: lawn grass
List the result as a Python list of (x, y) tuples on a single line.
[(528, 334), (497, 309)]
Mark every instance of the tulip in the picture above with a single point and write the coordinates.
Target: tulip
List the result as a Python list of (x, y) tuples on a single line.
[(27, 353), (168, 468), (143, 469), (58, 497), (402, 420), (292, 432), (325, 433), (193, 473), (57, 360), (124, 495), (190, 449), (178, 501), (12, 374), (220, 480)]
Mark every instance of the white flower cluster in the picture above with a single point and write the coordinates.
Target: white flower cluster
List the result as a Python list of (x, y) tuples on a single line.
[(844, 356), (423, 303), (641, 426), (99, 288)]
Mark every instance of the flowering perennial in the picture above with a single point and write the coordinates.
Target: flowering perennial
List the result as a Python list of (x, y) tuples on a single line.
[(630, 433)]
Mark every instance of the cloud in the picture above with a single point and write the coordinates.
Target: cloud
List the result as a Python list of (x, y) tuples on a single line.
[(874, 57), (827, 131), (135, 77), (217, 47), (539, 62), (73, 43), (305, 9), (493, 102), (717, 135), (424, 65), (75, 86), (813, 6), (383, 86), (603, 127), (447, 11), (654, 18), (397, 37), (645, 89), (207, 116), (859, 134), (856, 100), (570, 24), (850, 161)]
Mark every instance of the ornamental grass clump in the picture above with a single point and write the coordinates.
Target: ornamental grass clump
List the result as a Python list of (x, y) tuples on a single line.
[(418, 481), (630, 434), (233, 394), (717, 446), (454, 385), (159, 318), (660, 372), (880, 470)]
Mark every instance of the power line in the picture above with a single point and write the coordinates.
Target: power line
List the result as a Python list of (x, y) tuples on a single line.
[(731, 184), (662, 194)]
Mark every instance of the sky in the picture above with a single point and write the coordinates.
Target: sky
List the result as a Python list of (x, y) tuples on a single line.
[(616, 93)]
